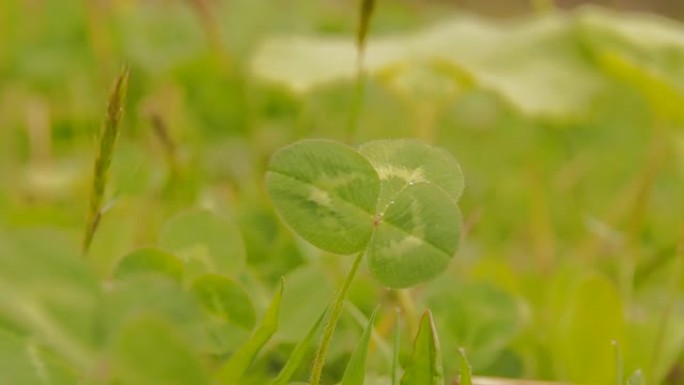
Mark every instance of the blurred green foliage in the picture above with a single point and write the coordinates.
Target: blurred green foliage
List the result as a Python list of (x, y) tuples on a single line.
[(567, 125)]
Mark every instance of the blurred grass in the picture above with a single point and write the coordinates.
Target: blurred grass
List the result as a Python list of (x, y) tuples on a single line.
[(566, 218)]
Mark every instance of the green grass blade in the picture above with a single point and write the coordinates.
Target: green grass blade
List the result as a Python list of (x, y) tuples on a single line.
[(367, 8), (232, 371), (365, 15), (395, 353), (425, 365), (466, 374), (355, 372), (103, 158), (618, 364), (383, 347), (298, 353)]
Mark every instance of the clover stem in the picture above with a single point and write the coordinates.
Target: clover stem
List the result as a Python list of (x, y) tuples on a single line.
[(335, 312)]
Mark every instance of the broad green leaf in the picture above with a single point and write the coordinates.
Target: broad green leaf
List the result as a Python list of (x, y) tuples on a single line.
[(212, 241), (149, 350), (47, 291), (158, 295), (149, 260), (326, 192), (403, 162), (465, 376), (232, 370), (416, 236), (355, 372), (298, 353), (527, 63), (425, 365), (642, 49), (593, 318), (224, 298)]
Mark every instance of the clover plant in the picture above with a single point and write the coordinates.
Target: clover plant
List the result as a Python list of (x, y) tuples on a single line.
[(393, 201)]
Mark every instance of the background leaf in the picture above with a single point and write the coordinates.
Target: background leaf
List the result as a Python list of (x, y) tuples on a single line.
[(224, 298), (25, 362), (534, 64), (206, 238), (149, 350), (478, 317), (592, 320), (47, 292), (149, 260)]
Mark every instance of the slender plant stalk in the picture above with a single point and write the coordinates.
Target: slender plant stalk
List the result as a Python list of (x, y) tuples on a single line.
[(103, 158), (541, 226), (635, 221), (618, 364), (357, 102), (98, 33), (395, 353), (631, 203), (335, 312), (211, 30), (162, 133), (366, 13), (667, 312)]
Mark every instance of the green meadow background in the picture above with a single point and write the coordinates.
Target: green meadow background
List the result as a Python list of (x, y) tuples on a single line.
[(568, 123)]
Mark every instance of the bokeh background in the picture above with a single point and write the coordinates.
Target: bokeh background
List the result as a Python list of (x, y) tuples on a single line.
[(566, 119)]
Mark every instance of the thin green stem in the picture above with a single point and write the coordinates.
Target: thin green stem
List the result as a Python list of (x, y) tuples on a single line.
[(335, 312), (365, 15), (618, 364), (664, 323), (395, 355)]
